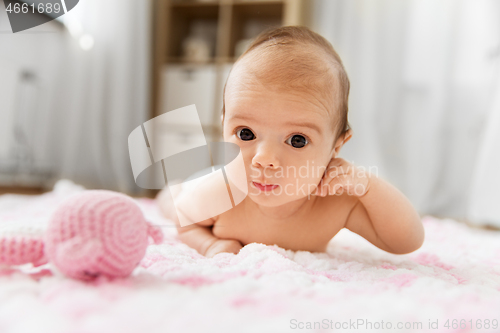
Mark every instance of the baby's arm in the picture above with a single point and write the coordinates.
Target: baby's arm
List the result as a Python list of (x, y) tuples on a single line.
[(202, 240), (386, 218), (199, 236)]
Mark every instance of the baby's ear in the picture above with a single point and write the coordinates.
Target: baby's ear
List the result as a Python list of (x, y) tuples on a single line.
[(341, 141), (347, 135)]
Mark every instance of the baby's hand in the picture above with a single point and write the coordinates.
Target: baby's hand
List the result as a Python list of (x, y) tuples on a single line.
[(223, 245), (341, 176)]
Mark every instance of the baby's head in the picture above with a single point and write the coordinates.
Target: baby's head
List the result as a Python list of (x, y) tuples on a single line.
[(286, 105)]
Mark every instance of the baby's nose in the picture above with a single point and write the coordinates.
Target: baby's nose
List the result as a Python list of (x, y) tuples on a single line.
[(266, 157)]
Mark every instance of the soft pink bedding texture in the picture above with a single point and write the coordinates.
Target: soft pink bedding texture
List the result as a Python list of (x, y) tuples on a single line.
[(451, 284)]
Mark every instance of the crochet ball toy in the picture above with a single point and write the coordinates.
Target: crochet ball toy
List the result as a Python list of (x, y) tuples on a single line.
[(93, 233)]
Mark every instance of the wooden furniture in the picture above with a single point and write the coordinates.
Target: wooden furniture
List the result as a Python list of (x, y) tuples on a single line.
[(172, 21)]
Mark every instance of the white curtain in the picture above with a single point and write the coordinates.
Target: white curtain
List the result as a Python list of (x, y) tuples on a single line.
[(484, 204), (103, 92), (423, 74)]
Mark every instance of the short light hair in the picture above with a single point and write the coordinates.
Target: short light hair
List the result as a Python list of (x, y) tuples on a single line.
[(299, 58)]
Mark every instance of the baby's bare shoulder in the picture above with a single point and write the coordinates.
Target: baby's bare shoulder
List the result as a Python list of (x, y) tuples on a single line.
[(335, 209), (198, 200)]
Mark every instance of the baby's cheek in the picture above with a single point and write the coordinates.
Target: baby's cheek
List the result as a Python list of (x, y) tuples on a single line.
[(304, 180), (310, 182)]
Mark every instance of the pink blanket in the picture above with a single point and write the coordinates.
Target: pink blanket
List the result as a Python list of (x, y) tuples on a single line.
[(451, 284)]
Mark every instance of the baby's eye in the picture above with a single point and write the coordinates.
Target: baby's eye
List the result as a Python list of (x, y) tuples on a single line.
[(245, 134), (297, 141)]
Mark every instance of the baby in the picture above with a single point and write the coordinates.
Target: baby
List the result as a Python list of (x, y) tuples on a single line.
[(285, 106)]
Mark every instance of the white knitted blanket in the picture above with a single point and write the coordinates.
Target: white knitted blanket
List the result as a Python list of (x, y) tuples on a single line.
[(451, 284)]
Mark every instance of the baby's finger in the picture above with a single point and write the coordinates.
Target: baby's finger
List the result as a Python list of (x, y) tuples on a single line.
[(322, 188), (317, 190), (327, 184), (335, 168), (330, 173), (337, 185)]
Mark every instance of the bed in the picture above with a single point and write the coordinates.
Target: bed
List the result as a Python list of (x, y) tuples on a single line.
[(451, 284)]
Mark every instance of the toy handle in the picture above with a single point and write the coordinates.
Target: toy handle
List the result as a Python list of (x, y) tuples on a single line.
[(19, 250), (155, 233)]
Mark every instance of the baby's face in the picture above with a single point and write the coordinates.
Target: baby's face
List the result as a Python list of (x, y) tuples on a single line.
[(286, 139)]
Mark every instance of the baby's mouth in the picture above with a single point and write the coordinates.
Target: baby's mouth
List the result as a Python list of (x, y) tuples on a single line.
[(264, 187)]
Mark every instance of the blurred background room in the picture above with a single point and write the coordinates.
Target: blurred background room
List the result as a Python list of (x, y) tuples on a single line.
[(424, 102)]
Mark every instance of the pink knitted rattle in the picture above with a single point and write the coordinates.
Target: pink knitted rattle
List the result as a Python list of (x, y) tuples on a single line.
[(92, 233)]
